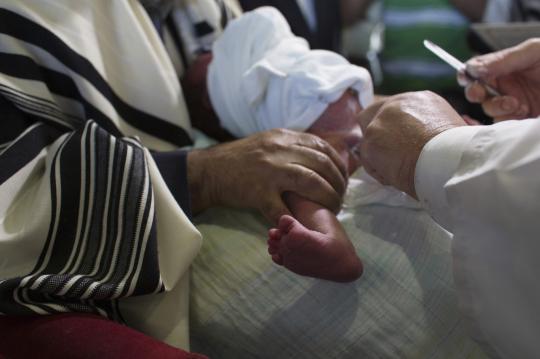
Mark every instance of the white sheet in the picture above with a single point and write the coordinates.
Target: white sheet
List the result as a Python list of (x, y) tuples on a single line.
[(404, 306)]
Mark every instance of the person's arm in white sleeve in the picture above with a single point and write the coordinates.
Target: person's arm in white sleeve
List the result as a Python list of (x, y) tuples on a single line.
[(483, 184), (440, 159)]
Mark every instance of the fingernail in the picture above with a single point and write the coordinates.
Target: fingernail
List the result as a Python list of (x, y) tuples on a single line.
[(477, 70), (463, 80)]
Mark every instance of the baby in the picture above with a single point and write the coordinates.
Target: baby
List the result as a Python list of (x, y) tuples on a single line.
[(313, 243), (261, 76)]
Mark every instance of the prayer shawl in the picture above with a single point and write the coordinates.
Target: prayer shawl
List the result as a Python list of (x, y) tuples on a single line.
[(87, 223), (322, 28), (192, 26)]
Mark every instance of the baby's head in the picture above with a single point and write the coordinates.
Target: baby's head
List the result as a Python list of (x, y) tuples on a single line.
[(338, 125), (263, 77)]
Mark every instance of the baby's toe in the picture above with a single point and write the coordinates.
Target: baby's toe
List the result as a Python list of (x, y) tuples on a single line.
[(274, 234), (285, 224), (273, 247), (278, 259)]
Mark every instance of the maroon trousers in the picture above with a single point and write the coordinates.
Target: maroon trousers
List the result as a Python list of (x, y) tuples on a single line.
[(79, 336)]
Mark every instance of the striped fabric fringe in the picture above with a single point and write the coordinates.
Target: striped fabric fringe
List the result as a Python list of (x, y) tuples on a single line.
[(77, 207)]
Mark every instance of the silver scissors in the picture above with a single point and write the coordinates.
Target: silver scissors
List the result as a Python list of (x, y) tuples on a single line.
[(458, 65)]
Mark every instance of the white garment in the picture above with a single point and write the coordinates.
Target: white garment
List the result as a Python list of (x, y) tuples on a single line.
[(263, 77), (482, 184), (364, 189)]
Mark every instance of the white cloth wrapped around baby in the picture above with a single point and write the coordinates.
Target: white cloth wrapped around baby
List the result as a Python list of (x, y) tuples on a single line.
[(262, 77)]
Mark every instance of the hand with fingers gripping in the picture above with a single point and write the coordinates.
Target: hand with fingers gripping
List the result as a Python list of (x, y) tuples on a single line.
[(254, 172), (515, 73), (395, 132)]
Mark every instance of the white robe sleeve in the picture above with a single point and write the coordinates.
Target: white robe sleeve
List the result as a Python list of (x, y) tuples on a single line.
[(483, 185)]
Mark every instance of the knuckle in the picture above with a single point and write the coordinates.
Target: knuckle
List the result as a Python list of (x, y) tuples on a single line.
[(278, 131), (322, 159), (302, 179), (261, 156), (532, 43), (269, 144), (320, 142), (265, 140), (315, 142), (369, 133)]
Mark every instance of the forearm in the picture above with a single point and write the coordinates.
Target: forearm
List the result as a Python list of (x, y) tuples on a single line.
[(462, 162), (199, 189), (172, 166), (474, 10)]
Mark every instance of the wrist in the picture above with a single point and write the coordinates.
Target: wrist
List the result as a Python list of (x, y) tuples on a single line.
[(199, 181), (411, 165), (407, 176)]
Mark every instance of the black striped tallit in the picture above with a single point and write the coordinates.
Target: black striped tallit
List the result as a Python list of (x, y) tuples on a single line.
[(100, 243)]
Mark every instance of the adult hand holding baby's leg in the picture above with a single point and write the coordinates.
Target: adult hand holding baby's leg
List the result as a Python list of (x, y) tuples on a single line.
[(313, 243), (255, 171)]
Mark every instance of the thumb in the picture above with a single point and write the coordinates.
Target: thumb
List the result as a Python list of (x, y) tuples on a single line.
[(274, 208), (505, 62)]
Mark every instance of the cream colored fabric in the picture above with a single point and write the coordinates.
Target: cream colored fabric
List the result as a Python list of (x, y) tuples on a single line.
[(118, 38), (119, 41), (165, 315), (404, 306), (482, 183)]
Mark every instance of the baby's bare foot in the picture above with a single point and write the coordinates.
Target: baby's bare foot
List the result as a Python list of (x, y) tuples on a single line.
[(312, 253)]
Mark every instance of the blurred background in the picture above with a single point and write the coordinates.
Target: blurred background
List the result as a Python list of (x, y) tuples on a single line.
[(386, 36)]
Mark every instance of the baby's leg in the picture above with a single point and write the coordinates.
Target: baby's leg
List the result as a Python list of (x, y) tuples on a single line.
[(324, 251)]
